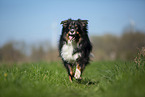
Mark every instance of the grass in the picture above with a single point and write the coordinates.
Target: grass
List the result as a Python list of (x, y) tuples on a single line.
[(100, 79)]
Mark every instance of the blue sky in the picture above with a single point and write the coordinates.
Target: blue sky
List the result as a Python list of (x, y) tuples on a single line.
[(39, 20)]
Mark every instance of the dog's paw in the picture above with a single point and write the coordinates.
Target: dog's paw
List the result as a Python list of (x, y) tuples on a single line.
[(77, 74)]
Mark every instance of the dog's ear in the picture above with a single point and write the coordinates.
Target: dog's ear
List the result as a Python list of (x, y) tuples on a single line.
[(83, 22), (64, 23)]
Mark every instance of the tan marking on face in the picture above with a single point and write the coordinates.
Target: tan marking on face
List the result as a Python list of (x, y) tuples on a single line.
[(79, 34), (67, 36), (79, 37), (69, 27), (76, 26)]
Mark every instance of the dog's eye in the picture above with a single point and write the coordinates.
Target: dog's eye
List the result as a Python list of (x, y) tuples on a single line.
[(76, 26), (65, 25), (69, 25)]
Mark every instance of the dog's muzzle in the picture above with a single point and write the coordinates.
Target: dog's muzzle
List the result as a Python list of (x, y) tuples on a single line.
[(72, 34)]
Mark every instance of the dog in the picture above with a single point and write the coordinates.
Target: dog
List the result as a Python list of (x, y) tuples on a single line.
[(75, 46)]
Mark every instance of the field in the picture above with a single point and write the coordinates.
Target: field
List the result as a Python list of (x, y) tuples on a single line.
[(100, 79)]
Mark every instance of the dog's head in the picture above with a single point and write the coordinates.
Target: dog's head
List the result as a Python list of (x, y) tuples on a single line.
[(74, 29)]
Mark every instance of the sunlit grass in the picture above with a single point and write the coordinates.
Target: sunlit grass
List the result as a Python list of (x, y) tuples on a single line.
[(100, 79)]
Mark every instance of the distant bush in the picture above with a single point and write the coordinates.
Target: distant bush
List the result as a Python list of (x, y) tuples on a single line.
[(110, 47), (9, 54), (106, 47), (140, 58), (129, 44)]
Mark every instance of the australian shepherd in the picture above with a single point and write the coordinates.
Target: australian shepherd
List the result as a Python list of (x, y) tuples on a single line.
[(75, 46)]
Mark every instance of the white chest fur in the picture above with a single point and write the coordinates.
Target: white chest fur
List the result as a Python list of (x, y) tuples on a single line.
[(67, 51)]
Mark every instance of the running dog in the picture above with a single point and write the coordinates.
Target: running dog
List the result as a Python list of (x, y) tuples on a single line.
[(75, 46)]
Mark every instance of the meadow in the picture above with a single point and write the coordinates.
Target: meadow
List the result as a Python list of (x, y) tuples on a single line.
[(100, 79)]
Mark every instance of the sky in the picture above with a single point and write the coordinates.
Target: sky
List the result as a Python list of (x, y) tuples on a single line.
[(33, 21)]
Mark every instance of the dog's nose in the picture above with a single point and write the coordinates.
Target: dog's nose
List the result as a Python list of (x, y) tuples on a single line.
[(72, 30)]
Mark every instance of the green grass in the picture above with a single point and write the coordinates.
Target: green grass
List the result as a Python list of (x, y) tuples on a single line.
[(100, 79)]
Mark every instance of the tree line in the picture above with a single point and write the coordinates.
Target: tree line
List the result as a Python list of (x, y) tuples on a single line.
[(106, 47)]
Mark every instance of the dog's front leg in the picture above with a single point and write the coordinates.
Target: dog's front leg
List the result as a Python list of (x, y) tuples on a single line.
[(78, 72), (69, 70), (76, 50)]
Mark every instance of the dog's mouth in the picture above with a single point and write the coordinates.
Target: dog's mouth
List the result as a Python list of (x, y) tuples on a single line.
[(71, 37)]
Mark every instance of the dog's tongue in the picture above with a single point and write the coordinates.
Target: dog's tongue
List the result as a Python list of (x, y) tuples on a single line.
[(70, 37)]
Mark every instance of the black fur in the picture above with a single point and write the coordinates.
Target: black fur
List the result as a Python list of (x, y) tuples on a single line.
[(83, 43)]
